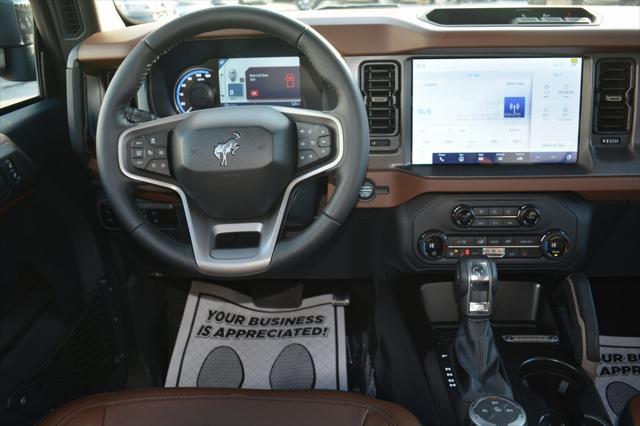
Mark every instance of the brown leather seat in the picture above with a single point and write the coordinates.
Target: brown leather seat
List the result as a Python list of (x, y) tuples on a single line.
[(212, 407), (631, 414)]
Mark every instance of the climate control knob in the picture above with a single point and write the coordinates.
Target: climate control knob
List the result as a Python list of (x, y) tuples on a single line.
[(432, 245), (555, 244), (529, 215), (463, 216)]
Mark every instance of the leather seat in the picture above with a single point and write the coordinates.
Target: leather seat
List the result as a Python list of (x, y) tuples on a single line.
[(212, 407), (631, 414)]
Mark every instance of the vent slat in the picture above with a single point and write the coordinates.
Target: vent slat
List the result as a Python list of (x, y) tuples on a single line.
[(613, 108), (70, 19), (380, 87)]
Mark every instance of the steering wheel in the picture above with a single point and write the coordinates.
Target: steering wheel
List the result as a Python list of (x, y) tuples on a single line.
[(234, 168)]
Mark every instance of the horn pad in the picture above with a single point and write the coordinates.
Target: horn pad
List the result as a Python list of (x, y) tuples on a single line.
[(234, 162)]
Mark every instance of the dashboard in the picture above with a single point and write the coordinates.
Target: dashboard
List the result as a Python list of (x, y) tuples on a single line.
[(452, 107)]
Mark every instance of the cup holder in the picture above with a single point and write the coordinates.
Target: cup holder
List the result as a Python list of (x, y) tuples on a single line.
[(560, 386)]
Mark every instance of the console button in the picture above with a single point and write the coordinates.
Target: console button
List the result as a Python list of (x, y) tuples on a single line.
[(453, 253), (529, 215), (506, 241), (511, 252), (533, 252), (480, 241), (494, 223), (432, 245), (555, 244), (496, 211), (480, 223), (527, 241), (481, 211), (494, 241), (463, 216), (510, 222), (511, 211)]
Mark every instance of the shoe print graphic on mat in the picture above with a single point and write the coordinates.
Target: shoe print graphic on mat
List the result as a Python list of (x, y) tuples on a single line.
[(293, 369), (222, 368), (618, 394)]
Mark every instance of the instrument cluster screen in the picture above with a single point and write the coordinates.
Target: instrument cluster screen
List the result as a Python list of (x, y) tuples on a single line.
[(273, 81), (496, 111)]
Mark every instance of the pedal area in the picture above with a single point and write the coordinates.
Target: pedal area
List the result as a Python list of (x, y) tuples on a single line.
[(226, 341)]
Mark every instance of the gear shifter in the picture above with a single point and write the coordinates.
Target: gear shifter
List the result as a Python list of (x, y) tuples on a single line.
[(479, 369)]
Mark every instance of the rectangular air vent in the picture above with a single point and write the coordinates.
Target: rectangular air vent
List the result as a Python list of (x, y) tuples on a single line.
[(70, 19), (381, 89), (613, 97)]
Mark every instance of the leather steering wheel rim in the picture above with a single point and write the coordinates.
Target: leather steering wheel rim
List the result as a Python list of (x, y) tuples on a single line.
[(329, 65)]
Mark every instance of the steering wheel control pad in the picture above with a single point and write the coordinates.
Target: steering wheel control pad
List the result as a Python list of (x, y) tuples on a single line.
[(234, 163)]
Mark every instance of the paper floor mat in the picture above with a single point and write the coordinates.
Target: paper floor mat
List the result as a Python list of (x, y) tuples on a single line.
[(226, 341), (618, 376)]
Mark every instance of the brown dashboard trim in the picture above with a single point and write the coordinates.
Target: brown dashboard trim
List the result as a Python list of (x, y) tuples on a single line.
[(403, 187), (400, 31)]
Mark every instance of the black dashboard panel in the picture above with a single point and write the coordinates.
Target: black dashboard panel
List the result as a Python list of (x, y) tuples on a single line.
[(206, 53)]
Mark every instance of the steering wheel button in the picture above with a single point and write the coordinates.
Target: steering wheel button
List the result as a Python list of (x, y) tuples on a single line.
[(139, 163), (158, 140), (324, 152), (161, 153), (159, 166), (137, 153), (149, 153), (303, 143), (138, 143), (324, 141)]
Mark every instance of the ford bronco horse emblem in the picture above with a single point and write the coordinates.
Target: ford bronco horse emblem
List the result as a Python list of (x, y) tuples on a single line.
[(223, 149)]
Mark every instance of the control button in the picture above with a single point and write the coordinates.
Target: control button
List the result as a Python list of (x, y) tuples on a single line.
[(476, 251), (149, 153), (527, 241), (138, 142), (481, 211), (157, 140), (463, 216), (367, 191), (507, 241), (529, 215), (533, 252), (511, 211), (493, 223), (480, 241), (494, 251), (453, 253), (460, 241), (555, 244), (303, 143), (161, 152), (480, 223), (137, 153), (306, 157), (510, 222), (323, 152), (324, 141), (496, 211), (511, 252), (494, 241), (139, 163), (432, 245), (159, 166)]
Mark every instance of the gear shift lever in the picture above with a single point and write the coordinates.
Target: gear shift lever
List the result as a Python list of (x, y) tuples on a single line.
[(480, 372)]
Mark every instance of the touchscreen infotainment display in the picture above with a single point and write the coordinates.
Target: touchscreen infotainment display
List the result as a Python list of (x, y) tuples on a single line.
[(273, 81), (496, 111)]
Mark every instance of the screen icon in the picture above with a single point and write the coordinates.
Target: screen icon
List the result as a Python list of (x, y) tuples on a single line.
[(514, 107)]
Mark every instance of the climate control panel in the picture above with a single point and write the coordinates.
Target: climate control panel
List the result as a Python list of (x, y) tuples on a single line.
[(541, 230), (526, 215), (435, 245)]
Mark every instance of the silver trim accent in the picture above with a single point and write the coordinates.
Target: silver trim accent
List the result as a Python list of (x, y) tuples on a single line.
[(531, 338), (203, 229)]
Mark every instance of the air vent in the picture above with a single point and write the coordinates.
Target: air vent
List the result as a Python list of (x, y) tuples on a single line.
[(70, 19), (380, 87), (613, 110)]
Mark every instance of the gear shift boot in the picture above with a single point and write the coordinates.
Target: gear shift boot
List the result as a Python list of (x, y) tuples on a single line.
[(479, 369)]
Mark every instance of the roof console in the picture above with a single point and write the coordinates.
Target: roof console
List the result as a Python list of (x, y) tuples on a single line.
[(535, 16)]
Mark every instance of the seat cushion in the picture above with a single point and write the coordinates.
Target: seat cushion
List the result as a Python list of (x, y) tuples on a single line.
[(212, 407), (631, 414)]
